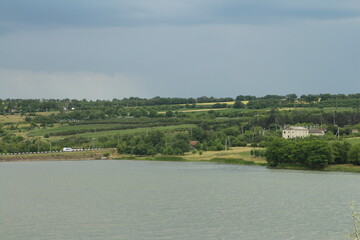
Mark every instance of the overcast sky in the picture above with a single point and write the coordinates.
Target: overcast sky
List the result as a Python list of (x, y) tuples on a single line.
[(104, 49)]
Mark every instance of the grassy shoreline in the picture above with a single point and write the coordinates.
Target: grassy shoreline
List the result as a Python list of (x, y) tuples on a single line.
[(237, 155), (237, 161), (328, 168), (59, 156)]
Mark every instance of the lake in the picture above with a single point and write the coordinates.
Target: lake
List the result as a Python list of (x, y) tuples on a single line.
[(136, 200)]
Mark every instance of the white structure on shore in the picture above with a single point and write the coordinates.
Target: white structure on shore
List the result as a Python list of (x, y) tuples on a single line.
[(300, 132)]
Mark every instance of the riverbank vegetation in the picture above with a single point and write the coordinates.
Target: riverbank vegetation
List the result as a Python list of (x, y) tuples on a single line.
[(165, 126), (311, 152)]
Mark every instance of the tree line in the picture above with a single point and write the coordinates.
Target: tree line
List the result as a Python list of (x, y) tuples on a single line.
[(8, 106), (311, 152)]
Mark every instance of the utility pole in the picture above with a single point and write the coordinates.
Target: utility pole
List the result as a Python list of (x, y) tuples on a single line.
[(338, 133), (334, 120), (357, 111)]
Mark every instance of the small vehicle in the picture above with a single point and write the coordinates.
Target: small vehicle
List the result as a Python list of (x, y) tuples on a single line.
[(67, 149)]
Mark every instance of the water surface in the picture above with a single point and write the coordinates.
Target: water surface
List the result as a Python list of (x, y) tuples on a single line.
[(172, 200)]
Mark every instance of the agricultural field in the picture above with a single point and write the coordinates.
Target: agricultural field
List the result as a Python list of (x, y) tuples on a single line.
[(15, 118), (47, 113), (66, 128), (102, 130), (212, 103), (190, 110), (18, 118), (175, 128)]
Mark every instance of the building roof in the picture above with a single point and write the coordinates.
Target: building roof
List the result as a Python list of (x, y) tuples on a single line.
[(193, 143), (295, 128), (316, 131)]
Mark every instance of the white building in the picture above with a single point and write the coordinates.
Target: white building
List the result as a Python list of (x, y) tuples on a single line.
[(294, 132)]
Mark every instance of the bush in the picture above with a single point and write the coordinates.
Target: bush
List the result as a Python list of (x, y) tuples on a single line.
[(354, 154)]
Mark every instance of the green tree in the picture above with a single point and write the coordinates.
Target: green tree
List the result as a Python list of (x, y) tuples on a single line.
[(153, 113), (340, 152), (354, 154), (181, 143), (279, 151), (238, 104), (169, 113)]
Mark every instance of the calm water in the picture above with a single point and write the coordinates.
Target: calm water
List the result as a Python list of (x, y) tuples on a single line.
[(171, 200)]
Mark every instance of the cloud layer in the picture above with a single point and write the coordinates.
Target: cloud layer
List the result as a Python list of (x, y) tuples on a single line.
[(114, 13), (187, 48), (73, 85)]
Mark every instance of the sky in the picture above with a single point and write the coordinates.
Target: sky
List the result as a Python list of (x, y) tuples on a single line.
[(105, 49)]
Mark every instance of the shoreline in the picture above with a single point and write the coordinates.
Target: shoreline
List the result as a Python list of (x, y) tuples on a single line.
[(60, 156), (215, 157)]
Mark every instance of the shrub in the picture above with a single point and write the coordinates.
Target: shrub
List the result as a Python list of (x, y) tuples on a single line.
[(354, 154)]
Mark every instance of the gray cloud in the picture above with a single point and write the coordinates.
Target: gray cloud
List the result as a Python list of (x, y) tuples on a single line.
[(187, 48), (110, 13), (218, 60)]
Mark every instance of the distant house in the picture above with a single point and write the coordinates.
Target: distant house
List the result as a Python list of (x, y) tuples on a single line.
[(294, 132), (301, 132)]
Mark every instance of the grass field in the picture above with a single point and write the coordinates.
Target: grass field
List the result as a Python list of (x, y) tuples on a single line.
[(47, 113), (16, 118)]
